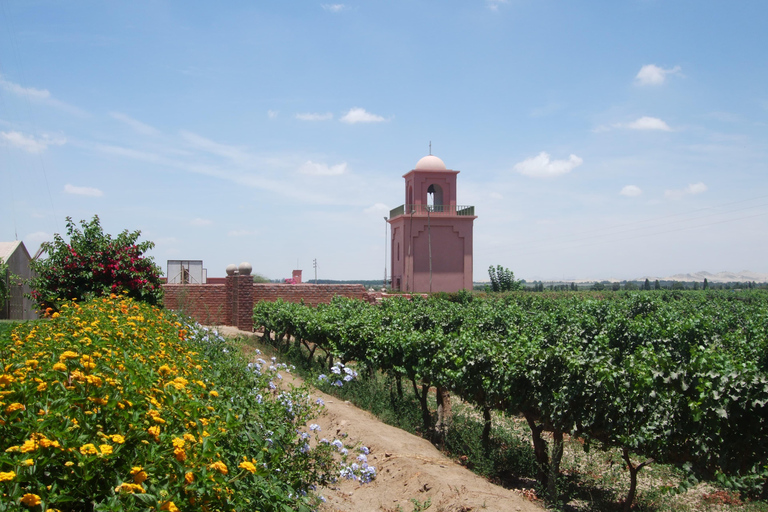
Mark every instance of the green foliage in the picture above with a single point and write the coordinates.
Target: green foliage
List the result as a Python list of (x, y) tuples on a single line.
[(503, 279), (4, 283), (93, 264), (259, 278), (678, 377), (116, 405)]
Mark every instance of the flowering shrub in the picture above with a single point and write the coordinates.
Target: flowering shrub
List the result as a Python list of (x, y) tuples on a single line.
[(94, 264), (117, 405)]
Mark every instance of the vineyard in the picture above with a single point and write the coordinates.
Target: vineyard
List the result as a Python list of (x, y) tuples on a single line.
[(668, 377)]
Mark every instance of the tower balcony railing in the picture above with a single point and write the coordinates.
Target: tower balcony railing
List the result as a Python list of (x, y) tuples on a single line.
[(425, 209)]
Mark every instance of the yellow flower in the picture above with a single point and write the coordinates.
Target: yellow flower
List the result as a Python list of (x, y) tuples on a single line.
[(32, 363), (28, 446), (169, 506), (14, 407), (68, 354), (189, 437), (180, 454), (6, 379), (178, 442), (247, 466), (7, 477), (214, 394), (28, 462), (61, 367), (30, 500), (155, 431), (219, 466), (189, 477), (164, 370), (88, 449), (42, 386), (105, 449), (69, 463), (117, 438), (130, 488), (140, 476)]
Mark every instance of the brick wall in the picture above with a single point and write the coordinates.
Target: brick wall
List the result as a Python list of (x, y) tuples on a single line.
[(206, 303), (312, 294), (218, 304)]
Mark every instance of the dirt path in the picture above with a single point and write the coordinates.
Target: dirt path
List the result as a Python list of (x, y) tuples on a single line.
[(407, 466)]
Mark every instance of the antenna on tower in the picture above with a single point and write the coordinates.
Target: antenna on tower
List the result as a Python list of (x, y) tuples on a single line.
[(430, 148)]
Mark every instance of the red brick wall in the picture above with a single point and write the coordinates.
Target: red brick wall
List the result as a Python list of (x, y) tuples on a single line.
[(206, 303), (312, 294), (212, 304)]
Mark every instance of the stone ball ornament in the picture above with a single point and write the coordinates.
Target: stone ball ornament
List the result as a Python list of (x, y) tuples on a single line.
[(245, 268), (231, 269)]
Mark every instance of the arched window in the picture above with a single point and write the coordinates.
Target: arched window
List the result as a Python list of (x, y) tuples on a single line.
[(435, 198)]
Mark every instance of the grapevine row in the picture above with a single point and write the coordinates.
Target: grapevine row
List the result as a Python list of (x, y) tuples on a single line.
[(678, 378)]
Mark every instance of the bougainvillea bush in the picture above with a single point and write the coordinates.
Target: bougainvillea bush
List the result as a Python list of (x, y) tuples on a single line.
[(117, 405), (94, 264)]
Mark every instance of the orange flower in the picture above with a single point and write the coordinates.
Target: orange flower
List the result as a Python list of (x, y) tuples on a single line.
[(30, 500)]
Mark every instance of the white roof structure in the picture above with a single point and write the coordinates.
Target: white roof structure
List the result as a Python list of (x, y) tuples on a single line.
[(8, 248), (430, 163)]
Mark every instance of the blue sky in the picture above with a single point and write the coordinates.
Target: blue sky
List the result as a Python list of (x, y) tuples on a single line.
[(595, 139)]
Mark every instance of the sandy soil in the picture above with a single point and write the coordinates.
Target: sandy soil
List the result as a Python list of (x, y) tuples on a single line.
[(408, 468)]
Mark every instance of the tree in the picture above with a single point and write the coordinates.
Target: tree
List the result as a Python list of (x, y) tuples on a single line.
[(706, 283), (657, 285), (646, 284), (503, 279), (630, 285), (616, 286), (4, 283), (598, 286), (94, 264)]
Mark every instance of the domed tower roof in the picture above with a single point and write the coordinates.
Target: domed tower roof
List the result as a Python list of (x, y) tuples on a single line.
[(430, 163)]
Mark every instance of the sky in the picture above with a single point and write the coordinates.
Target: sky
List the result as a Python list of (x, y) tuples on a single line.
[(595, 139)]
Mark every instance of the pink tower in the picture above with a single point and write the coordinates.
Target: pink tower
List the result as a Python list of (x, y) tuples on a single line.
[(431, 234)]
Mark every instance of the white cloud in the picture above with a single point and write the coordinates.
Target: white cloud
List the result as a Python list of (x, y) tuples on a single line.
[(29, 143), (200, 222), (378, 209), (334, 7), (496, 195), (316, 169), (649, 123), (272, 114), (654, 75), (541, 166), (311, 116), (359, 115), (138, 126), (29, 92), (38, 95), (692, 189), (631, 191), (83, 191), (494, 4)]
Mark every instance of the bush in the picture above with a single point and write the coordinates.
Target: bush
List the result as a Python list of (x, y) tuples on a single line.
[(116, 405), (94, 264)]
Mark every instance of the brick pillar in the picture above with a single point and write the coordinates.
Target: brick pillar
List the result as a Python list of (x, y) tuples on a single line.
[(230, 297), (242, 312)]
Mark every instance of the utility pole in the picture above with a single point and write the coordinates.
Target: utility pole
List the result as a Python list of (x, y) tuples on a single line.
[(429, 243), (385, 253), (314, 264)]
